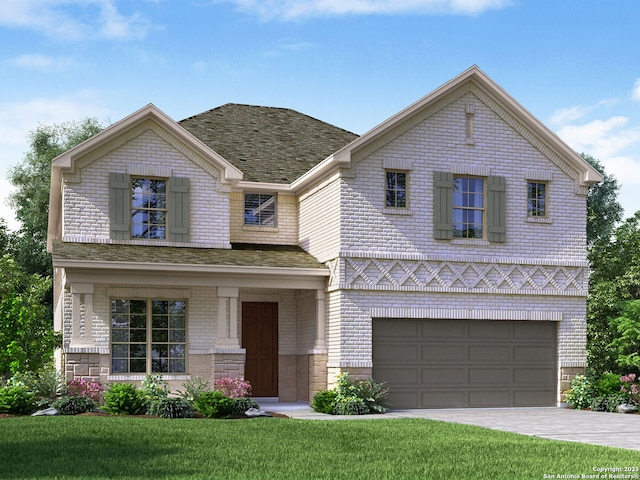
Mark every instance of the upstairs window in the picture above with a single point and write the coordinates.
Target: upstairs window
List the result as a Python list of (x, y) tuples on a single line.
[(468, 207), (396, 189), (148, 208), (536, 199), (260, 209)]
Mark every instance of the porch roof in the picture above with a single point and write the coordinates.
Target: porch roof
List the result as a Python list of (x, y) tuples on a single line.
[(240, 255)]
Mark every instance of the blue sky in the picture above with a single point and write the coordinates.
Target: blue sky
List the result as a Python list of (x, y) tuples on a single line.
[(574, 64)]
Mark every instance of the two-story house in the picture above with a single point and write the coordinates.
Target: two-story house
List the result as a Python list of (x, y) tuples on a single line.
[(442, 252)]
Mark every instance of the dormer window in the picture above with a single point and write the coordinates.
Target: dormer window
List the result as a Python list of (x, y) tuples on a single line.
[(260, 209)]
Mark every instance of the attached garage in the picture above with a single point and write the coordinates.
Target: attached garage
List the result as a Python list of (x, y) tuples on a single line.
[(465, 363)]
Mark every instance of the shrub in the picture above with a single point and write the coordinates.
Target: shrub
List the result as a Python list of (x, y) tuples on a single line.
[(194, 388), (241, 405), (579, 397), (373, 394), (46, 385), (324, 401), (74, 405), (17, 400), (233, 387), (608, 403), (79, 387), (350, 406), (630, 387), (171, 407), (154, 388), (125, 398), (214, 404), (607, 384)]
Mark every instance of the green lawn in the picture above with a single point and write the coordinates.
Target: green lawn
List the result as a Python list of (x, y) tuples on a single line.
[(262, 448)]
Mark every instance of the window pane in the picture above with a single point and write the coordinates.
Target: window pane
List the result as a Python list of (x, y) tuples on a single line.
[(119, 306), (120, 351), (160, 321), (176, 366), (138, 321), (177, 336), (138, 336), (259, 209), (119, 335), (119, 366), (138, 350), (159, 350), (138, 306), (159, 307), (119, 321), (160, 365), (138, 365), (176, 350), (160, 336), (176, 322)]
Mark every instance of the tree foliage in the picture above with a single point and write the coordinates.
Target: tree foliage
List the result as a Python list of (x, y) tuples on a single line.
[(626, 337), (32, 179), (604, 211)]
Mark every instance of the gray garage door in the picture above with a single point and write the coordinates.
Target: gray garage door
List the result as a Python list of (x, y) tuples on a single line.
[(465, 363)]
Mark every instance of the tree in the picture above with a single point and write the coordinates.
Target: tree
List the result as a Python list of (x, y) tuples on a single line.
[(27, 339), (32, 179), (614, 280), (604, 211), (626, 341)]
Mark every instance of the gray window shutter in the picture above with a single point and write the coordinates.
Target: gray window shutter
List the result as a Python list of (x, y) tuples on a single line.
[(442, 205), (496, 209), (119, 206), (179, 209)]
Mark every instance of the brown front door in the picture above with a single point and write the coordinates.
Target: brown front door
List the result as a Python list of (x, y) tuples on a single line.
[(260, 339)]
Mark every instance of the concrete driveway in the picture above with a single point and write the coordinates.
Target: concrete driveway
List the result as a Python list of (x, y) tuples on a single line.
[(597, 428)]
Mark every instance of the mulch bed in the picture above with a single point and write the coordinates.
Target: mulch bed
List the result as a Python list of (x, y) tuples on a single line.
[(105, 414)]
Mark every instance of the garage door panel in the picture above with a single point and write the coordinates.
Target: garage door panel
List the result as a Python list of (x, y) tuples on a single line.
[(404, 376), (534, 376), (444, 353), (443, 376), (443, 329), (396, 352), (534, 398), (533, 331), (490, 353), (443, 399), (535, 354), (490, 376), (465, 363), (490, 398)]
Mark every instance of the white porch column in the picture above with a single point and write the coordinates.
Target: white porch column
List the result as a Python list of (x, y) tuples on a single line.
[(82, 296), (320, 345), (228, 317)]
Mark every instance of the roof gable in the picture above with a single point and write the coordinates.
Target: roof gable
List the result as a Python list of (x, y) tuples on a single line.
[(479, 83), (269, 145)]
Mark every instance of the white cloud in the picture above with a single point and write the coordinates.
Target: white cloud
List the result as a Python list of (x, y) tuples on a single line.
[(635, 94), (292, 9), (74, 19), (36, 61), (570, 114)]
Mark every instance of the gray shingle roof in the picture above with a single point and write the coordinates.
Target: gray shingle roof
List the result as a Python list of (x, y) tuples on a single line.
[(244, 255), (273, 145)]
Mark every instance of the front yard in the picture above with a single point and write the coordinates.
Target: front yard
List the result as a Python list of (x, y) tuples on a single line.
[(108, 447)]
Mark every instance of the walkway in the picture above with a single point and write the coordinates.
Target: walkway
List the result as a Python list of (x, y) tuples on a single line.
[(597, 428)]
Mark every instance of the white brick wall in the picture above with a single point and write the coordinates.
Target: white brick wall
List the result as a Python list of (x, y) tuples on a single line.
[(284, 233), (86, 192)]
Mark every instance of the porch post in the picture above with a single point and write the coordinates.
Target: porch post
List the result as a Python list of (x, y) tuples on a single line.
[(320, 345), (82, 296), (228, 317)]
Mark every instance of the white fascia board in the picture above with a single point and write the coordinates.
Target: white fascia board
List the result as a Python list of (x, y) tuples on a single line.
[(262, 187), (195, 269)]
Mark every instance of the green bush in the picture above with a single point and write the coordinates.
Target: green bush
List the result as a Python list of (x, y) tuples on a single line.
[(581, 393), (608, 403), (172, 408), (607, 384), (17, 400), (46, 385), (350, 406), (73, 405), (214, 404), (193, 388), (154, 388), (125, 398), (324, 401), (242, 404), (374, 395)]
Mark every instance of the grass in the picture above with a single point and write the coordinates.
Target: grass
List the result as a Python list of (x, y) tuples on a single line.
[(86, 447)]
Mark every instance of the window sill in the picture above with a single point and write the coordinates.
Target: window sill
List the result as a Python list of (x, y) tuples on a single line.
[(538, 220), (259, 228), (141, 376), (470, 241), (397, 211)]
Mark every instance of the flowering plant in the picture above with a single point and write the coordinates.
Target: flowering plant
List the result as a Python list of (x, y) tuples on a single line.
[(631, 387), (79, 387), (233, 387)]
